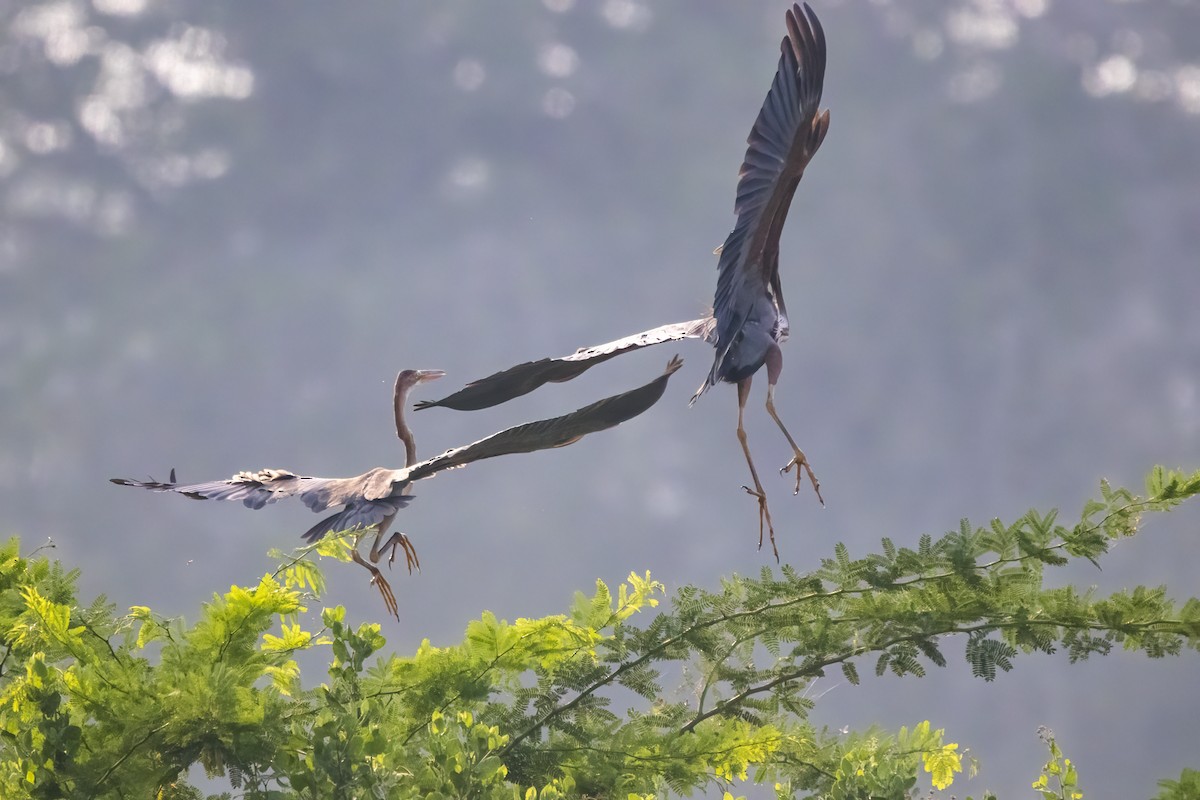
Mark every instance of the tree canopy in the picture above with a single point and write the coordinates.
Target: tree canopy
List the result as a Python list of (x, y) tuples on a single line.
[(623, 695)]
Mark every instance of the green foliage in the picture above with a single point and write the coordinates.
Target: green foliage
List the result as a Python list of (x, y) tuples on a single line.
[(1059, 780), (874, 764), (97, 704), (1186, 788)]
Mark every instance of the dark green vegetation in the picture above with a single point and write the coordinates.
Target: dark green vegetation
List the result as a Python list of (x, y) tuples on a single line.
[(99, 704)]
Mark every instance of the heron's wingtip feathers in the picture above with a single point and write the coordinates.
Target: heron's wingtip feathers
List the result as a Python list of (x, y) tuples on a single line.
[(147, 484)]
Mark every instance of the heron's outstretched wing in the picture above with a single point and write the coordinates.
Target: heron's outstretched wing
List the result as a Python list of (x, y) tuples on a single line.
[(524, 378), (556, 432), (254, 489), (257, 489), (784, 138)]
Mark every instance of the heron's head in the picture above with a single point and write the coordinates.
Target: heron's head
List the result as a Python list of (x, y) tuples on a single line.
[(412, 377)]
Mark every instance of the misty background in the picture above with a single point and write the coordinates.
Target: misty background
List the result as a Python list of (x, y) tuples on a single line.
[(224, 227)]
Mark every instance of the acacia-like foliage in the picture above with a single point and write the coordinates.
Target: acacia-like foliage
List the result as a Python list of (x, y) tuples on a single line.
[(705, 693)]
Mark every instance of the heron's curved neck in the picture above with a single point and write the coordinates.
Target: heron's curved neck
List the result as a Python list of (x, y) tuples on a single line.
[(400, 398)]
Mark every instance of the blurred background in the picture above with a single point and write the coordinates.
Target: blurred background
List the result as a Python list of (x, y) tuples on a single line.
[(225, 226)]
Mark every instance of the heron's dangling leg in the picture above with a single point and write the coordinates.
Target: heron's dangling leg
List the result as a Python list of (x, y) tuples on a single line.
[(799, 460), (385, 588), (764, 513), (397, 539), (377, 578)]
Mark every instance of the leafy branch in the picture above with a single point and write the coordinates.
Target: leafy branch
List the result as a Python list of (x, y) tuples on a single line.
[(902, 603)]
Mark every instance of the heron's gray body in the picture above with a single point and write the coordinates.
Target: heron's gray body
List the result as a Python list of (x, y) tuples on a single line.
[(765, 327)]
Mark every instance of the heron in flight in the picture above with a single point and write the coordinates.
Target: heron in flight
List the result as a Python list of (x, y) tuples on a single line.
[(406, 381), (749, 319), (372, 499)]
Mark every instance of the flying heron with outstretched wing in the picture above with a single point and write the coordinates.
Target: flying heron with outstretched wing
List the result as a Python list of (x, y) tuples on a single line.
[(372, 499), (749, 319)]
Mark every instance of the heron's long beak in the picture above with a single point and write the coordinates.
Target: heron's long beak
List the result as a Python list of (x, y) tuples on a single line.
[(424, 375)]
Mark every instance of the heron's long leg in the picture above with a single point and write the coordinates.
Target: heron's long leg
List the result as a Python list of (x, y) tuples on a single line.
[(799, 460), (774, 364), (377, 578), (376, 551), (764, 513), (397, 539)]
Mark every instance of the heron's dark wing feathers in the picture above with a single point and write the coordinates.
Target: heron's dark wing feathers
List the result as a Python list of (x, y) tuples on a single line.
[(556, 432), (358, 515), (784, 138), (524, 378), (506, 384)]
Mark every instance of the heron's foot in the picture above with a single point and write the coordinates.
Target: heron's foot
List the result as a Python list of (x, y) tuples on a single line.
[(764, 519), (399, 540), (800, 462), (385, 589)]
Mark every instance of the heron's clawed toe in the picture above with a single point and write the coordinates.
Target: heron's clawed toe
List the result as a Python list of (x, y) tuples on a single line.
[(764, 519), (385, 589), (410, 553), (800, 462), (399, 540)]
